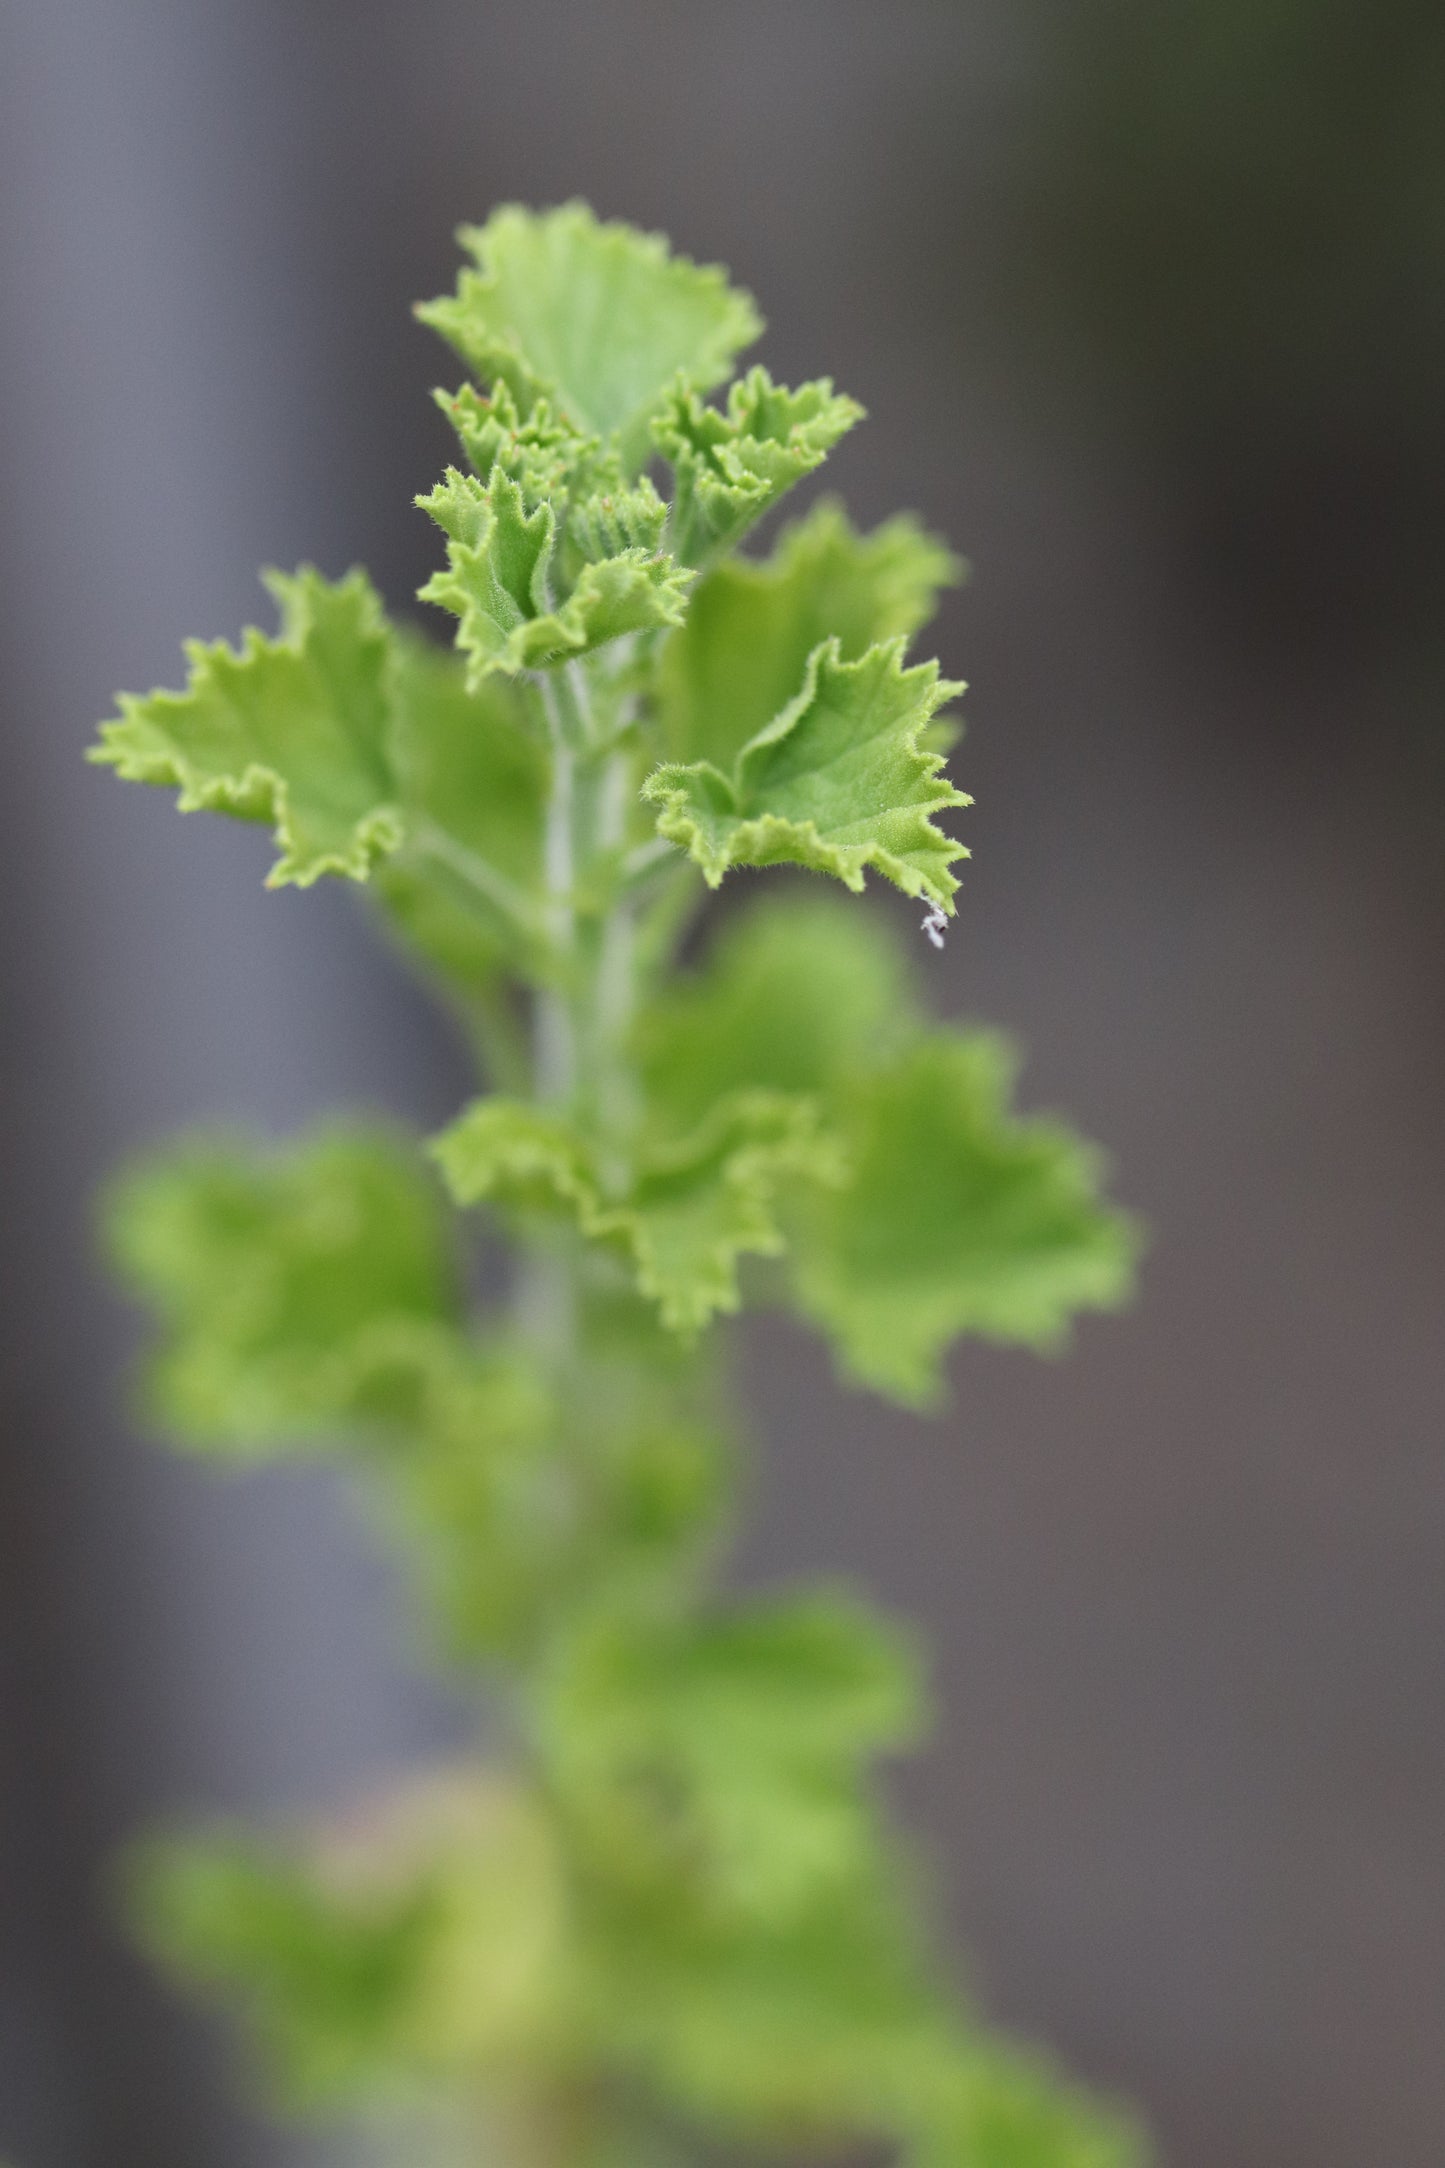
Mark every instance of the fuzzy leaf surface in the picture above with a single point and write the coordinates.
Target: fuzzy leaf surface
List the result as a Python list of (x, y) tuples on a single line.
[(732, 465), (742, 655), (362, 744), (957, 1217), (499, 574), (280, 1279), (290, 731), (690, 1209), (838, 782), (541, 451), (610, 522), (599, 318)]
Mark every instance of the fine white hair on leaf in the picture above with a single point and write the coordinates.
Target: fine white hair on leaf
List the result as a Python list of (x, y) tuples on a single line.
[(935, 926)]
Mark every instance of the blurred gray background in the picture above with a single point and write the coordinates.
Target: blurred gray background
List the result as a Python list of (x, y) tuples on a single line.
[(1149, 309)]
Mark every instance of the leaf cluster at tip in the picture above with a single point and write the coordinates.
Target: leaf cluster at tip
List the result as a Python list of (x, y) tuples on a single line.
[(594, 350), (598, 317)]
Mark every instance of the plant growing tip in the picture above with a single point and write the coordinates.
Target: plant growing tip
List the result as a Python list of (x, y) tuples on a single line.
[(674, 1916)]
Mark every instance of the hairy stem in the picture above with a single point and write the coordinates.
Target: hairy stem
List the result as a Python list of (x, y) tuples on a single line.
[(611, 992), (556, 1041), (583, 1015), (582, 1023), (546, 1298)]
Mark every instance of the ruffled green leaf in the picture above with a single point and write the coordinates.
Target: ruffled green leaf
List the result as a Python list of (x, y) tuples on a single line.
[(291, 731), (957, 1218), (699, 1206), (609, 523), (690, 1209), (741, 657), (501, 564), (733, 466), (951, 1215), (541, 451), (795, 994), (840, 781), (599, 514), (361, 744), (282, 1281), (522, 1155), (598, 318)]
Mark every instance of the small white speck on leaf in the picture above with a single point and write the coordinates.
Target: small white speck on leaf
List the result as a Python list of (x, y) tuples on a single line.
[(936, 926)]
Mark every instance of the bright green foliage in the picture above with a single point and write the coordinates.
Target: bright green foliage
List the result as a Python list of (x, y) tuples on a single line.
[(729, 1755), (732, 467), (356, 740), (691, 1208), (838, 782), (955, 1219), (795, 993), (541, 452), (599, 318), (671, 1914), (315, 1290), (280, 1283), (941, 1213), (291, 731), (501, 582), (743, 654)]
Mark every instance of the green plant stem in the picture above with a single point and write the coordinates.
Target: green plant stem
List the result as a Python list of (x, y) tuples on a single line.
[(555, 1033), (608, 993), (582, 1022), (583, 1016), (546, 1297)]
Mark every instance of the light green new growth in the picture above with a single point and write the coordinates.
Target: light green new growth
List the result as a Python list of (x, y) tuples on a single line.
[(839, 780), (671, 1916)]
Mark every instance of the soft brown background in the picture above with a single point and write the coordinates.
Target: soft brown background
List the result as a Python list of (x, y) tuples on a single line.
[(1150, 315)]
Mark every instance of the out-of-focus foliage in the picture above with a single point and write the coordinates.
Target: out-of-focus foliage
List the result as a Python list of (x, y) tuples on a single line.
[(673, 1912)]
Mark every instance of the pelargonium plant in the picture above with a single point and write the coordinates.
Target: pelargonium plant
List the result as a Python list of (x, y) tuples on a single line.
[(657, 1909)]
